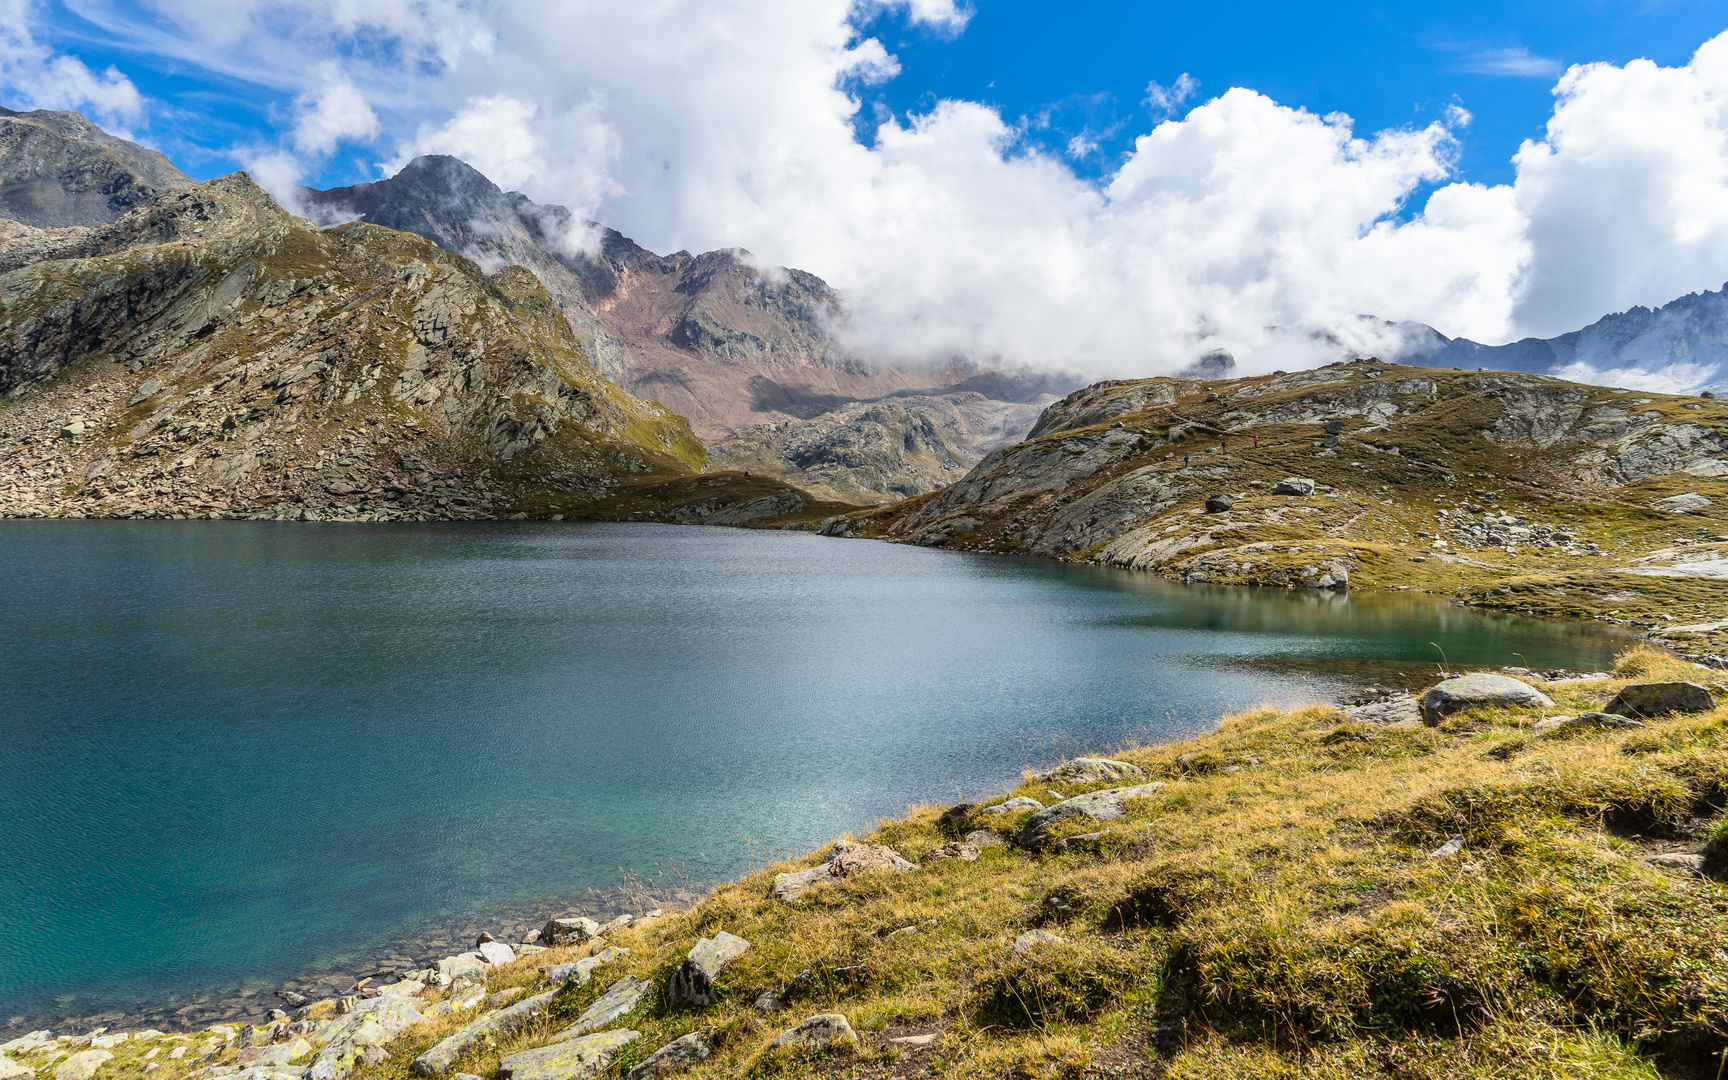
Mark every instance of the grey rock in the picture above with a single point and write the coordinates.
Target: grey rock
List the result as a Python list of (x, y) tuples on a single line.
[(1090, 771), (482, 1031), (1031, 939), (464, 969), (464, 1000), (577, 1059), (1680, 504), (618, 923), (360, 1035), (917, 1042), (1450, 847), (496, 952), (82, 1065), (1391, 711), (569, 931), (790, 886), (680, 1053), (1098, 805), (769, 1001), (293, 999), (1603, 720), (1655, 699), (1217, 504), (620, 999), (1479, 691), (1078, 842), (983, 838), (11, 1070), (951, 850), (1293, 485), (823, 1029), (280, 1054), (692, 982), (1013, 806), (1683, 861), (147, 389)]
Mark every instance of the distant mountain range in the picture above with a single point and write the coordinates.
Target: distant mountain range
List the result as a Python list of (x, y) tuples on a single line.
[(1680, 347)]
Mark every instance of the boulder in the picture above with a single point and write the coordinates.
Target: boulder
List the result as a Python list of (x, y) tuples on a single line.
[(1013, 806), (1391, 711), (482, 1031), (692, 982), (280, 1054), (1293, 485), (952, 850), (1090, 770), (1684, 862), (1217, 504), (1479, 691), (679, 1054), (29, 1044), (464, 969), (1098, 805), (496, 952), (1603, 720), (823, 1029), (463, 1000), (1031, 939), (619, 923), (859, 858), (621, 998), (360, 1035), (11, 1070), (577, 1059), (1682, 504), (1654, 699), (983, 838), (582, 970), (568, 931), (846, 858), (82, 1066)]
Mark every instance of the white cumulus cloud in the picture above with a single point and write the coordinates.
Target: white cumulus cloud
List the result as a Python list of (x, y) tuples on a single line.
[(736, 123)]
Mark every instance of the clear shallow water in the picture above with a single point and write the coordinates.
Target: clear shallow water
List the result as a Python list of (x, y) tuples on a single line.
[(237, 752)]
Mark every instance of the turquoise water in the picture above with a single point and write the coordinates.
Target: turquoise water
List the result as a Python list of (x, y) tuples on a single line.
[(239, 752)]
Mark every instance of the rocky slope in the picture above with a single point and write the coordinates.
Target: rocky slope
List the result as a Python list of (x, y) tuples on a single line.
[(58, 170), (210, 355), (716, 338), (1364, 475)]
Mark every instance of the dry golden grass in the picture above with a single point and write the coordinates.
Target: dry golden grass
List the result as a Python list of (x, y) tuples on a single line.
[(1273, 911)]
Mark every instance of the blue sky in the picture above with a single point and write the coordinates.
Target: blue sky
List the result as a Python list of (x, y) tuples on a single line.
[(1384, 64), (1085, 72)]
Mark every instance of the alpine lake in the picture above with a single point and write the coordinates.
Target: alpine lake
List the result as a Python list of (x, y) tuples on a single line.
[(239, 756)]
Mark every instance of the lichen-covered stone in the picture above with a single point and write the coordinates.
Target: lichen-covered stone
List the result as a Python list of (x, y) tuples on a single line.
[(482, 1031), (1090, 771), (82, 1065), (577, 1059), (1015, 805), (620, 999), (680, 1053)]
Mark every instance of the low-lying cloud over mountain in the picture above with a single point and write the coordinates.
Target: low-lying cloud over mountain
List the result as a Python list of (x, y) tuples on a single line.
[(731, 123)]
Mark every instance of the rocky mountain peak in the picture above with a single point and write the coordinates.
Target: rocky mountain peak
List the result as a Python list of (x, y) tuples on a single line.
[(59, 170)]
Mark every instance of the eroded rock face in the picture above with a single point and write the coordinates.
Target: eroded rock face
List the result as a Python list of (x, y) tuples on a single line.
[(1479, 691)]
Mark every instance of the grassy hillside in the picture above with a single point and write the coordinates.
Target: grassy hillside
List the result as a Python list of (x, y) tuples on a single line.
[(1408, 465), (1274, 909)]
